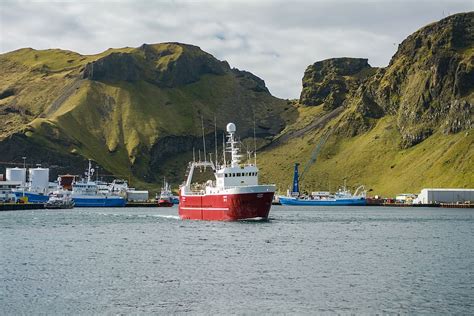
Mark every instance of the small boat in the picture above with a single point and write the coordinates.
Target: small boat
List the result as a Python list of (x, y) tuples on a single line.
[(166, 197), (60, 199)]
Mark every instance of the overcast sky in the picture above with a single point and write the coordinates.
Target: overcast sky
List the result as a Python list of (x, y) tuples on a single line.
[(275, 40)]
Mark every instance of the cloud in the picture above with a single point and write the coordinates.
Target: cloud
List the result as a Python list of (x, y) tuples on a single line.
[(276, 40)]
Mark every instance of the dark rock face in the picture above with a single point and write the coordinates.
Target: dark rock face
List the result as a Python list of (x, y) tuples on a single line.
[(18, 145), (250, 81), (115, 67), (7, 93), (166, 66), (328, 82)]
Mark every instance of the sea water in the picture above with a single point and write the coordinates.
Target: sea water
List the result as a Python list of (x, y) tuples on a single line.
[(304, 260)]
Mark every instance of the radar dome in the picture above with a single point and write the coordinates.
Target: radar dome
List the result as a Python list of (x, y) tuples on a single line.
[(231, 128)]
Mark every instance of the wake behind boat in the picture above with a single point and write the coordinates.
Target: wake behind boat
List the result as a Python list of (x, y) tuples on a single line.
[(233, 194)]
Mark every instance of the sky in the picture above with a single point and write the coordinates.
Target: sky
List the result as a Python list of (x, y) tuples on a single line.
[(275, 40)]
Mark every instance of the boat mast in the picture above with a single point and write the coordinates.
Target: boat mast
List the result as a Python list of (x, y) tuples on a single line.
[(89, 171), (203, 138), (254, 142), (223, 149), (215, 138), (234, 151)]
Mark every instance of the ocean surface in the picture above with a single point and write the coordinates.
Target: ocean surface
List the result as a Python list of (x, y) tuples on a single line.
[(301, 261)]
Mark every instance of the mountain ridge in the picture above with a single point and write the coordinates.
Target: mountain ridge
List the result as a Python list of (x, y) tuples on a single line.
[(137, 112)]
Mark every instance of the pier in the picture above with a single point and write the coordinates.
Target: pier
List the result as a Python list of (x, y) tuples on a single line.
[(21, 206)]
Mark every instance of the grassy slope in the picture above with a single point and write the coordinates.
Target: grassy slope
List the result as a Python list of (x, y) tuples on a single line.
[(113, 123), (375, 160)]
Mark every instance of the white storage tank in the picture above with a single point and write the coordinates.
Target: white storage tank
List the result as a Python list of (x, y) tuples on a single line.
[(16, 174), (430, 196), (39, 179), (137, 196)]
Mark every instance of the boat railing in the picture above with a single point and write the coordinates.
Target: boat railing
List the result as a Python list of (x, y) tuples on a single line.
[(203, 192)]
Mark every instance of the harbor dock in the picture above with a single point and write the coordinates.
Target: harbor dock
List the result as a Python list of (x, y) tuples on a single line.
[(21, 206)]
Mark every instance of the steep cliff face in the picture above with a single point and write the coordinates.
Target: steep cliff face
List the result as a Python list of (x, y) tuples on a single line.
[(428, 85), (429, 82), (330, 82), (130, 109)]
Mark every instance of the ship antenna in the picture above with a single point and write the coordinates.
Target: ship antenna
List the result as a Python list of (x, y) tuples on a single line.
[(194, 155), (215, 138), (254, 141), (89, 172), (223, 149), (203, 138), (199, 155)]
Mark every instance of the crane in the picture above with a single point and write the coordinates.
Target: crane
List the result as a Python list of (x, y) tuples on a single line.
[(298, 178)]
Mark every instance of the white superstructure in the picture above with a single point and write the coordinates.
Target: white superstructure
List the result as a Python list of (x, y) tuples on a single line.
[(230, 178)]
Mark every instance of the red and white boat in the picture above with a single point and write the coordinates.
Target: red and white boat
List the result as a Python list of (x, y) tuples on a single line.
[(233, 194), (165, 199)]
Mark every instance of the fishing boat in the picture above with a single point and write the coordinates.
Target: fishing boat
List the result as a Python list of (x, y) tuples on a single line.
[(232, 194), (85, 193), (60, 199), (342, 197), (166, 197)]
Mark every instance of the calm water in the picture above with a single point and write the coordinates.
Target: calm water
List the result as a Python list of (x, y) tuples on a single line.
[(360, 260)]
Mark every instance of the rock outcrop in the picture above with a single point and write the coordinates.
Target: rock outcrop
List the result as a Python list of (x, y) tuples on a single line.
[(166, 65), (331, 81)]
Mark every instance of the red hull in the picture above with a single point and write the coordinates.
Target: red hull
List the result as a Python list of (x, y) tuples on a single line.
[(164, 203), (228, 207)]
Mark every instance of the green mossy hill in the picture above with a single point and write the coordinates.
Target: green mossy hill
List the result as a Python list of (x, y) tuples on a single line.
[(395, 129), (131, 109)]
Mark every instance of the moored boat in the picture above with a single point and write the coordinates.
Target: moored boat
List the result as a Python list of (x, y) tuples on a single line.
[(86, 193), (342, 197), (233, 194), (60, 199), (166, 197)]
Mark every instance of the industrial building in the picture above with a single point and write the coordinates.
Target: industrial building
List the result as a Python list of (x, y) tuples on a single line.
[(434, 196)]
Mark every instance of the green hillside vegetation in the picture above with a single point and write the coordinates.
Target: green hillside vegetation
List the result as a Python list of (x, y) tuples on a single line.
[(375, 160), (137, 112)]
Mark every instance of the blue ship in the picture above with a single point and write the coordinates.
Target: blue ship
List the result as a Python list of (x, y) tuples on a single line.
[(33, 197), (98, 201), (308, 201), (341, 198), (86, 194)]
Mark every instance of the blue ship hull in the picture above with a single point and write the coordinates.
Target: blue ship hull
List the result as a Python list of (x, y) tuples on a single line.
[(80, 201), (99, 201), (32, 197), (335, 202)]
